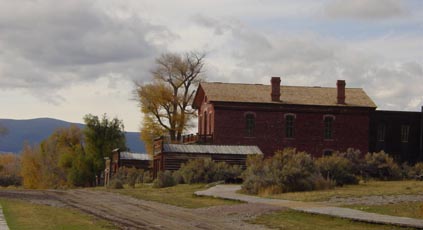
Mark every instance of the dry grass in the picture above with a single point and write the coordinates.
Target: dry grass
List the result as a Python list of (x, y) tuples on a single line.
[(22, 215), (406, 209), (371, 188), (292, 220), (181, 195)]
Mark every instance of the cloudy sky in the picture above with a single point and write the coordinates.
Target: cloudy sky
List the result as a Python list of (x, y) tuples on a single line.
[(65, 59)]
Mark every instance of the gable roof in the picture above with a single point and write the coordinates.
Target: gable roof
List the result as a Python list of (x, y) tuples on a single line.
[(212, 149), (295, 95)]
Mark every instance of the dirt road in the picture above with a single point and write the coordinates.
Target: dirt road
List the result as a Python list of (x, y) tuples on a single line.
[(130, 213)]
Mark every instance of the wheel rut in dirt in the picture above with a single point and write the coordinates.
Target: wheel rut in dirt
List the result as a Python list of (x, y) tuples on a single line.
[(130, 213)]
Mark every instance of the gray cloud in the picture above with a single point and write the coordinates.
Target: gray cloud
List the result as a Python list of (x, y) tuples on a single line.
[(48, 45), (313, 60), (365, 9)]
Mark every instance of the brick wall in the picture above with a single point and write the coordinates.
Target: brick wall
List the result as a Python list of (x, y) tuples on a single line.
[(350, 127)]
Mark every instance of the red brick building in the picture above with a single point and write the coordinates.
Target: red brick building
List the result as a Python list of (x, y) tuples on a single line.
[(318, 120)]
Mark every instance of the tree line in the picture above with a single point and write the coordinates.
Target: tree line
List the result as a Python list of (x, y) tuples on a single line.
[(69, 157), (75, 157)]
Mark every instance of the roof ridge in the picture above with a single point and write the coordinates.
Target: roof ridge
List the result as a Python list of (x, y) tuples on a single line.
[(297, 86), (232, 83)]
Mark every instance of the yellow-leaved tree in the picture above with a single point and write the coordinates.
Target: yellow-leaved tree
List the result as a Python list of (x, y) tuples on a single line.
[(59, 161), (166, 101), (10, 168)]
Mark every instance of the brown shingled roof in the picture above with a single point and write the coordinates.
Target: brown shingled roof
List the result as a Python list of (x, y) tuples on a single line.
[(296, 95)]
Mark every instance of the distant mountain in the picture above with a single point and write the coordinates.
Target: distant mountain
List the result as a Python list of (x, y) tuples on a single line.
[(33, 131)]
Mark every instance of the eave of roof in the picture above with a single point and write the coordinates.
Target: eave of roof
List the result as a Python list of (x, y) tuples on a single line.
[(135, 156), (290, 95), (212, 149)]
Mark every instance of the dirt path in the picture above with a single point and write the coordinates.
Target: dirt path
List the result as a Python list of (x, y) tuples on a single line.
[(130, 213)]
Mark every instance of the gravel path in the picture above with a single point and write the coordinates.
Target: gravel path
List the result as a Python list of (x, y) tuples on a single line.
[(229, 192), (130, 213)]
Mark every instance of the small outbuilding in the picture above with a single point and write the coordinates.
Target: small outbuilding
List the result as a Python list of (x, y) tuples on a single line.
[(171, 156), (125, 159)]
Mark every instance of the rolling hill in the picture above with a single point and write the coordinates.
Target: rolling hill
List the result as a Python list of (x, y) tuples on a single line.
[(33, 131)]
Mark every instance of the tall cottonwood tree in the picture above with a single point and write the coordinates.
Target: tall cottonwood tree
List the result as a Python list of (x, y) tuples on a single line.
[(102, 135), (166, 101)]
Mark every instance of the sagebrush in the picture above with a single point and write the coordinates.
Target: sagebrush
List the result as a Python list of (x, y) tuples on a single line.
[(204, 170), (286, 171)]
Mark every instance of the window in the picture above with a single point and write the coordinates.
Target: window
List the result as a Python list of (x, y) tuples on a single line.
[(381, 129), (289, 126), (210, 123), (200, 124), (328, 132), (405, 130), (327, 152), (250, 124), (205, 122)]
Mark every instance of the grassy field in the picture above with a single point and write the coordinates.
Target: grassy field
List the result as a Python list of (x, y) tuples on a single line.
[(413, 210), (292, 220), (288, 220), (363, 189), (22, 215), (181, 195)]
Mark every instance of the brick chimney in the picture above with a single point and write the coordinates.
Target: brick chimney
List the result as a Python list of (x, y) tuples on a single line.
[(276, 88), (340, 84)]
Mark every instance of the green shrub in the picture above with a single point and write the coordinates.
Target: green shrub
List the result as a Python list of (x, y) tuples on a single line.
[(293, 170), (337, 168), (256, 177), (140, 177), (129, 176), (147, 177), (381, 166), (356, 160), (407, 171), (286, 171), (418, 169), (414, 172), (116, 183), (225, 172), (177, 176), (204, 170), (164, 179), (10, 180)]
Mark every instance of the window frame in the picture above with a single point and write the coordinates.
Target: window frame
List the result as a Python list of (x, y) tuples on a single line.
[(205, 124), (328, 131), (381, 132), (405, 133), (210, 122), (327, 152), (290, 125), (250, 124)]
